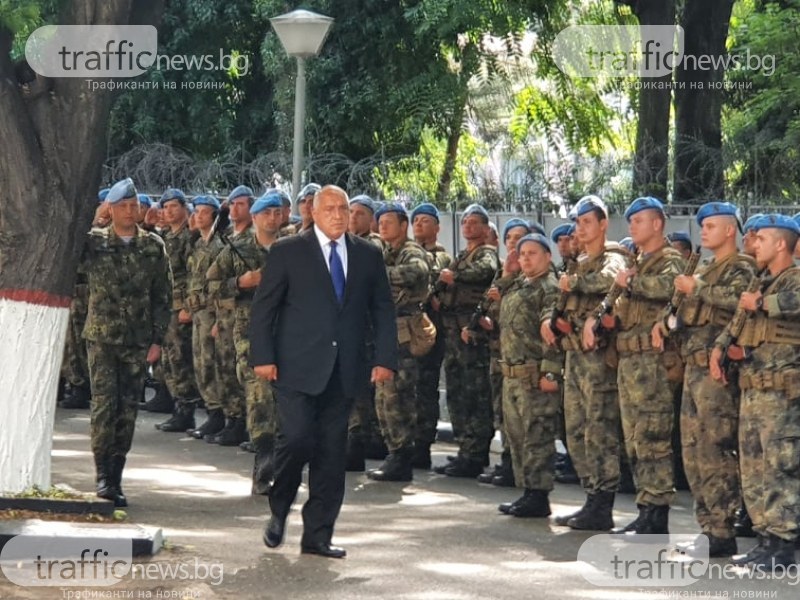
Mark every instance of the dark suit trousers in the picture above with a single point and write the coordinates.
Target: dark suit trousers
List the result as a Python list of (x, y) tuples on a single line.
[(313, 430)]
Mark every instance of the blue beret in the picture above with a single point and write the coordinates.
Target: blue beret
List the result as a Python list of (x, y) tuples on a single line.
[(101, 195), (378, 205), (271, 199), (239, 192), (515, 222), (776, 221), (797, 218), (643, 203), (390, 207), (628, 244), (476, 209), (717, 209), (535, 237), (537, 227), (426, 208), (190, 208), (122, 190), (172, 194), (560, 230), (679, 236), (588, 204), (206, 201), (364, 201), (571, 230), (748, 225), (309, 190), (144, 200)]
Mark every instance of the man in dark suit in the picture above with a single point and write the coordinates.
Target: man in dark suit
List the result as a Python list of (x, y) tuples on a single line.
[(307, 331)]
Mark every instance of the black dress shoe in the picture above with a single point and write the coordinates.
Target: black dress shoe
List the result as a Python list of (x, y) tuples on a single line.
[(323, 549), (273, 532)]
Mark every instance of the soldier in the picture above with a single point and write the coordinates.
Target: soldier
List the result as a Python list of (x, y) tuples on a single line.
[(769, 416), (749, 236), (364, 430), (590, 380), (425, 224), (409, 277), (710, 411), (177, 357), (467, 365), (502, 474), (236, 272), (287, 228), (531, 372), (304, 204), (493, 237), (647, 376), (127, 274), (682, 242), (560, 237), (796, 219)]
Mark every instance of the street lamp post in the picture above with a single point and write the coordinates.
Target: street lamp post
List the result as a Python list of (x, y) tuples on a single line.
[(302, 34)]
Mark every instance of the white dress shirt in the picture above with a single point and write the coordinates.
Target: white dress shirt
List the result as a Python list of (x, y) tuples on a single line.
[(325, 244)]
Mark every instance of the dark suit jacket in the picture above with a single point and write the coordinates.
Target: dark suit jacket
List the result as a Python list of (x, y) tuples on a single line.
[(297, 323)]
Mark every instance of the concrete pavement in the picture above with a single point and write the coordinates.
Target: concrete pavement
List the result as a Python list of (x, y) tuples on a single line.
[(436, 538)]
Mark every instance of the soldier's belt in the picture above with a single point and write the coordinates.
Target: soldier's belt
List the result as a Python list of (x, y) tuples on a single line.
[(770, 380), (698, 359), (225, 304), (196, 302), (636, 343), (525, 370)]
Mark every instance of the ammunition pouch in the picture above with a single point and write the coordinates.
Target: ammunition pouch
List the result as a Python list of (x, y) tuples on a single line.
[(225, 303), (418, 331), (788, 380), (696, 313), (529, 370), (634, 344), (196, 302), (636, 311), (761, 329), (698, 359)]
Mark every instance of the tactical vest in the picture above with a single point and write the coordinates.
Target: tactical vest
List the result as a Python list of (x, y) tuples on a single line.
[(636, 309), (760, 329), (580, 306), (465, 296), (696, 313), (407, 301)]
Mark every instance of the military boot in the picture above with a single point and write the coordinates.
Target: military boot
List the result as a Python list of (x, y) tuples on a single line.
[(655, 520), (502, 475), (375, 449), (78, 396), (263, 465), (777, 553), (565, 470), (247, 446), (162, 402), (182, 417), (744, 524), (754, 555), (534, 504), (105, 484), (396, 467), (422, 456), (563, 520), (234, 432), (598, 516), (355, 454), (117, 464), (633, 525), (211, 426), (464, 467)]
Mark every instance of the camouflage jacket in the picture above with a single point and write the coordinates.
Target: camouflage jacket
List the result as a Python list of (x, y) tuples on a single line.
[(409, 276), (203, 254), (374, 238), (129, 288), (439, 259), (526, 304), (179, 246), (474, 272), (708, 309), (229, 265)]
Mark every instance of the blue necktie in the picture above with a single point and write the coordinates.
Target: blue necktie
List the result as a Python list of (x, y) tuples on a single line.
[(337, 273)]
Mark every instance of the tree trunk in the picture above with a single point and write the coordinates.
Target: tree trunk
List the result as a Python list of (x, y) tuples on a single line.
[(55, 133), (698, 175), (451, 155), (651, 160)]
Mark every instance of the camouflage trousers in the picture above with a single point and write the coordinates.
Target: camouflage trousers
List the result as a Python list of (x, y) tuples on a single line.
[(709, 429), (769, 442), (363, 422), (469, 393), (496, 382), (530, 417), (261, 415), (177, 360), (204, 354), (395, 404), (231, 392), (591, 414), (429, 371), (117, 376), (646, 402), (75, 365)]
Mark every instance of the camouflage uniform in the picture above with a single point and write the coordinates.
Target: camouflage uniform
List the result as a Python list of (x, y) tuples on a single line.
[(429, 367), (409, 276), (128, 310), (530, 414), (769, 419), (222, 275), (709, 418), (75, 366), (207, 359), (177, 356), (591, 409), (646, 378), (467, 365)]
